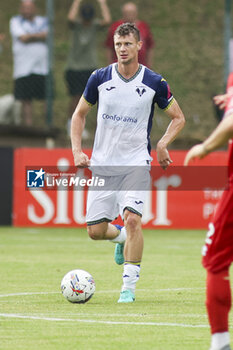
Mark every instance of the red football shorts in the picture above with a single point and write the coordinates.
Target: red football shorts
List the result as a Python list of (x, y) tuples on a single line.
[(218, 249)]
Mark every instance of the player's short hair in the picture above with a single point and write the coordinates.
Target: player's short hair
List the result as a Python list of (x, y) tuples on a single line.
[(127, 28)]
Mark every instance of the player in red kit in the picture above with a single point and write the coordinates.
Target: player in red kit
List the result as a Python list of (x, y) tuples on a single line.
[(218, 249)]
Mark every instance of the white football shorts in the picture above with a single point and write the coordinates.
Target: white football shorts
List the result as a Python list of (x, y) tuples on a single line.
[(128, 191)]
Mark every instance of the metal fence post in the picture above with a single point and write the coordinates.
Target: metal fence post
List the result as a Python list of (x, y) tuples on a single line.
[(49, 80)]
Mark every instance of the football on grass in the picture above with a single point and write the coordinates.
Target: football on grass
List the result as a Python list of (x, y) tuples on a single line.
[(78, 286)]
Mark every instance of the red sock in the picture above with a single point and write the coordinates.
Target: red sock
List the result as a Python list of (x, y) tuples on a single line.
[(218, 300)]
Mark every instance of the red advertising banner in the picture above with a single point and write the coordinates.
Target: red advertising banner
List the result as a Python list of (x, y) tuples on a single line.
[(180, 197)]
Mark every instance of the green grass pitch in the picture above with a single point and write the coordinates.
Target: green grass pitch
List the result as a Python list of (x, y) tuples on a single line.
[(169, 312)]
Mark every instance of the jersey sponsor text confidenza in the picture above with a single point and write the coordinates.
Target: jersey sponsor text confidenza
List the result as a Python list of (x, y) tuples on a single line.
[(125, 112)]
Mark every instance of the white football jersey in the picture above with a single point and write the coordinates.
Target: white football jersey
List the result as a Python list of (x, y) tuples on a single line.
[(125, 112)]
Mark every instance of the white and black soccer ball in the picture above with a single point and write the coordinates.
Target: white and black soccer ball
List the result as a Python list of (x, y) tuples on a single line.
[(78, 286)]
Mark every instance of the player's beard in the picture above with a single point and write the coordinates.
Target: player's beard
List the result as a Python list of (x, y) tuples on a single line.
[(126, 61)]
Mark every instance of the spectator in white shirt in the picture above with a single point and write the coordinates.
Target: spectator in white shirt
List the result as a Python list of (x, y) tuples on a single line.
[(30, 52)]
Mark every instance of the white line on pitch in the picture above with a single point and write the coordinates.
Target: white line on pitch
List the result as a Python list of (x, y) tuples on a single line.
[(55, 319), (100, 291), (177, 289), (26, 293), (139, 315)]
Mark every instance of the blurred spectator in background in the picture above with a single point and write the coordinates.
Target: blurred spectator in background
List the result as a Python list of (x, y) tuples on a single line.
[(82, 57), (29, 32), (221, 100), (10, 109), (130, 14)]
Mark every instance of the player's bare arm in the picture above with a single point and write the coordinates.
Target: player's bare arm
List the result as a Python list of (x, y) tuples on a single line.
[(77, 127), (176, 125), (218, 138)]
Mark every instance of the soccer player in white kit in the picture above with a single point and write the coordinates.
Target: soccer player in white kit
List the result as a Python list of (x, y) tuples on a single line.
[(126, 93)]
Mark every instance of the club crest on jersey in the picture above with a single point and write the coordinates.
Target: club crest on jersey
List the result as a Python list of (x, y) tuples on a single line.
[(140, 90)]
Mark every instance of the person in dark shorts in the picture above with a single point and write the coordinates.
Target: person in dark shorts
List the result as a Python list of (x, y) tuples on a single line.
[(76, 80), (29, 32), (82, 56), (30, 87)]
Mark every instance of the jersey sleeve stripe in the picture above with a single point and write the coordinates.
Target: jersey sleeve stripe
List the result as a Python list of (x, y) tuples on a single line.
[(89, 103), (170, 104)]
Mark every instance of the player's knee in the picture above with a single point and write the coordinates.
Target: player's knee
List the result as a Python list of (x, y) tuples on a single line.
[(94, 232), (133, 222)]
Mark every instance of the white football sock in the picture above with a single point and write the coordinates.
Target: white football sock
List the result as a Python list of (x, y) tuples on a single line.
[(219, 340), (121, 237), (130, 277)]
